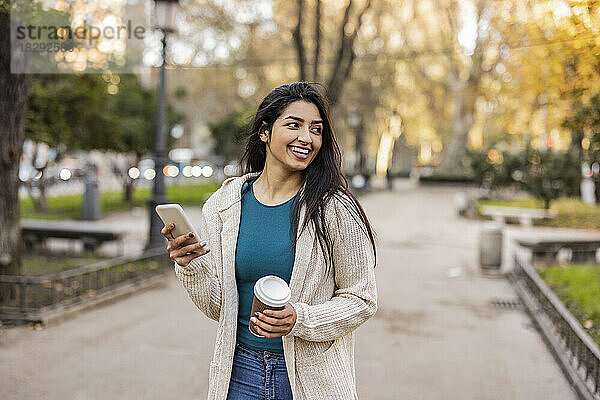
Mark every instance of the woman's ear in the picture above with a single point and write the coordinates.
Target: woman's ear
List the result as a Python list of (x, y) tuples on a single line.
[(264, 136)]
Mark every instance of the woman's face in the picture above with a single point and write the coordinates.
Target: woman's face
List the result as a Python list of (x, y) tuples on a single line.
[(296, 138)]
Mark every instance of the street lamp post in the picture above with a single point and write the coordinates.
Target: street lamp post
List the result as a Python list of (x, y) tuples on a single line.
[(164, 16)]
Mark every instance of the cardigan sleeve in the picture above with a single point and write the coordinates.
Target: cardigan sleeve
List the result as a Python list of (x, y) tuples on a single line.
[(355, 297), (200, 278)]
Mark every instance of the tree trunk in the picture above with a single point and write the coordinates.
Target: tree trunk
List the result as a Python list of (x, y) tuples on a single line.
[(344, 59), (577, 148), (317, 41), (346, 55), (336, 80), (464, 95), (14, 89), (298, 40), (128, 183), (597, 188), (128, 198), (403, 157), (41, 203), (462, 121)]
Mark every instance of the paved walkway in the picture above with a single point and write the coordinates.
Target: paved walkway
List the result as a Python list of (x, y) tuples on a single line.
[(435, 335)]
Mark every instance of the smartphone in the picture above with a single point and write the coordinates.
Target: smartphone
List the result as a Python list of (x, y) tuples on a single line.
[(173, 213)]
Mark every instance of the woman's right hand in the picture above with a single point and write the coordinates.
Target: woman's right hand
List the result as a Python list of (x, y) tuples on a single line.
[(180, 254)]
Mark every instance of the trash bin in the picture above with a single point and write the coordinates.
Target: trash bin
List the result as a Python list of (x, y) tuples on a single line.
[(490, 247), (91, 195)]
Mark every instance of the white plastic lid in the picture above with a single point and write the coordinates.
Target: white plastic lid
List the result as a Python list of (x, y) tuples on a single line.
[(272, 291)]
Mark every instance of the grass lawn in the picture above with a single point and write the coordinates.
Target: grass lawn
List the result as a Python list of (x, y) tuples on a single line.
[(71, 206), (50, 263), (572, 213), (71, 289), (578, 287), (46, 264)]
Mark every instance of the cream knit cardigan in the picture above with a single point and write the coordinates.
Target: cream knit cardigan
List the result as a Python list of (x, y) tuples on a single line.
[(319, 350)]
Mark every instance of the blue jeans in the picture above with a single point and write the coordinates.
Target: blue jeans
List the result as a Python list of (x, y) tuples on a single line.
[(258, 375)]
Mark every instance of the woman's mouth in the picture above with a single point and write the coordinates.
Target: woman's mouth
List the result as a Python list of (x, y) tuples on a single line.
[(299, 152)]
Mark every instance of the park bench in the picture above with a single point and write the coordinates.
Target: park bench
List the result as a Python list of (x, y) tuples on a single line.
[(525, 216), (36, 232), (549, 251)]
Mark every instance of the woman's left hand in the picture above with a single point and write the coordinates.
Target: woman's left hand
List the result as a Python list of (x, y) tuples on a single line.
[(272, 324)]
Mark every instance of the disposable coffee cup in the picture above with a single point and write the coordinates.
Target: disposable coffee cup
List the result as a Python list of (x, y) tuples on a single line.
[(270, 292)]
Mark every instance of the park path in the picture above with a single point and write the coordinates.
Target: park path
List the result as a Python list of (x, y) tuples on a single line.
[(435, 335)]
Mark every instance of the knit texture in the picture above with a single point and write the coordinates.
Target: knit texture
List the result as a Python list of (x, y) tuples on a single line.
[(330, 305)]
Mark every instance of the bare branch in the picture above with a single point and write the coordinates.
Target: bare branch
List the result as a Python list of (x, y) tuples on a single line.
[(451, 14), (480, 44), (300, 43), (346, 54), (352, 55), (317, 41), (333, 78)]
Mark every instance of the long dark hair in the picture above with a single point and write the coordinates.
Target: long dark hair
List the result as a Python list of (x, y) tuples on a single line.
[(323, 176)]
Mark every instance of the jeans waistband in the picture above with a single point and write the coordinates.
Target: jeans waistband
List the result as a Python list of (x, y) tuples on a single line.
[(259, 354)]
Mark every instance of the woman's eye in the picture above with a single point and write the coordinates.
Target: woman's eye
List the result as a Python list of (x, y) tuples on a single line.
[(292, 123), (318, 129)]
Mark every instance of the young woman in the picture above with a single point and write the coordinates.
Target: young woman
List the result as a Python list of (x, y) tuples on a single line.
[(291, 215)]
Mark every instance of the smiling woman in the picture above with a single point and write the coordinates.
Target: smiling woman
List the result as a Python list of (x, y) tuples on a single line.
[(290, 215), (292, 143), (301, 151)]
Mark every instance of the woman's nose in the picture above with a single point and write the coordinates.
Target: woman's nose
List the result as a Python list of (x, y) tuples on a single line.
[(304, 136)]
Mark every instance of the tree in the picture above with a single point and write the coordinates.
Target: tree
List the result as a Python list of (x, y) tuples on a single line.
[(447, 70), (412, 59), (14, 89), (586, 118), (332, 37), (534, 97), (345, 54), (462, 74), (67, 112), (133, 117), (549, 174), (87, 117), (229, 132), (493, 170)]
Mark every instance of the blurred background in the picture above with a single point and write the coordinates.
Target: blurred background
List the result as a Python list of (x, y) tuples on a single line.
[(497, 93), (498, 100)]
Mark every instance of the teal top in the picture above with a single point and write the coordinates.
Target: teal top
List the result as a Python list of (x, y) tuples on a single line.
[(264, 247)]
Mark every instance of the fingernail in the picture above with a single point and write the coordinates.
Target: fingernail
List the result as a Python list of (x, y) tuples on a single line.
[(253, 319), (203, 243), (191, 234)]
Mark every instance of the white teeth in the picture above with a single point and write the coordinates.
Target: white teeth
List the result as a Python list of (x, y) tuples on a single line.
[(300, 150)]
